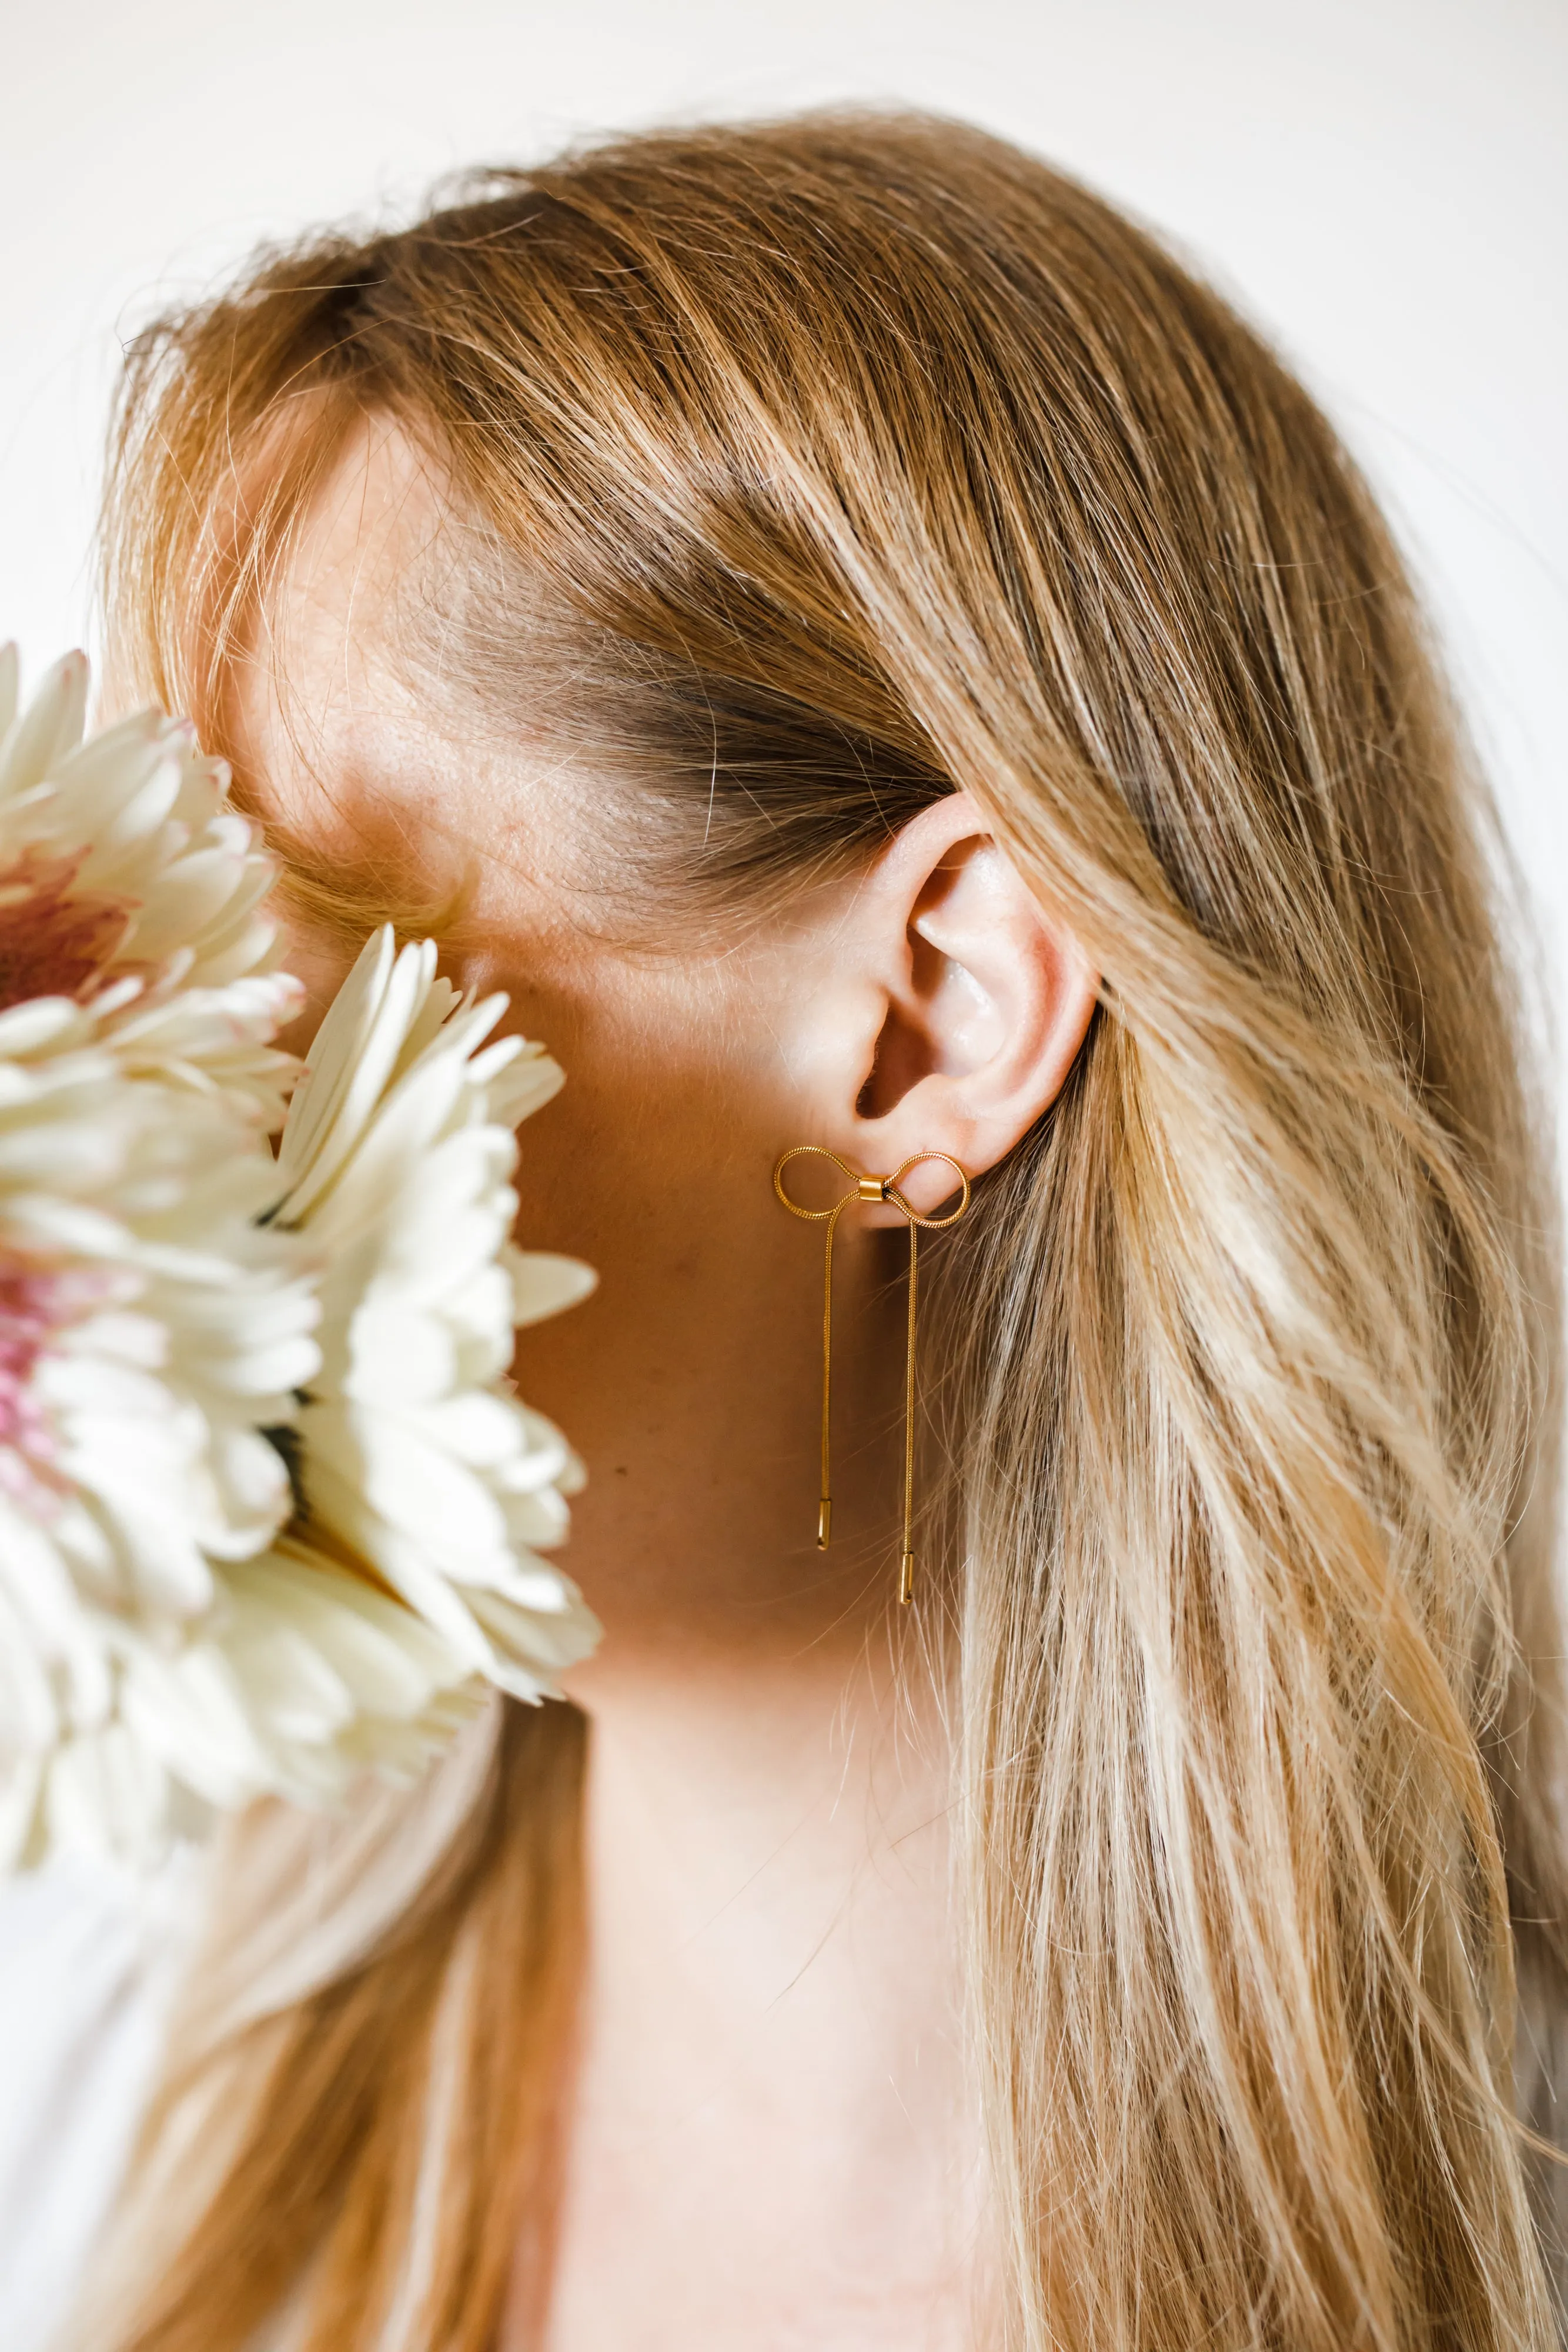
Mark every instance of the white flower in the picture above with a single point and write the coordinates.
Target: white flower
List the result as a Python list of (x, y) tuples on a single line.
[(302, 1677), (129, 884), (269, 1512), (150, 1332), (413, 1455)]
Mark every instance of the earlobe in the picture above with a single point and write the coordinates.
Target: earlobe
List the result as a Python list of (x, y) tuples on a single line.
[(986, 1002)]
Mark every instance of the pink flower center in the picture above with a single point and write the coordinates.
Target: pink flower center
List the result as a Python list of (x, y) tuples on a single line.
[(37, 1302), (33, 1306), (53, 943)]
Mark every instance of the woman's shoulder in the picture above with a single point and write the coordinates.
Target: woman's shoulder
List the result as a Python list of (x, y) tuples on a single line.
[(86, 1960)]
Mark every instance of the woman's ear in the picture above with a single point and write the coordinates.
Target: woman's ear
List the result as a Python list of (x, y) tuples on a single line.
[(962, 1006)]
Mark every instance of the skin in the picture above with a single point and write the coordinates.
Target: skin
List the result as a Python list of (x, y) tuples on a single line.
[(772, 2142)]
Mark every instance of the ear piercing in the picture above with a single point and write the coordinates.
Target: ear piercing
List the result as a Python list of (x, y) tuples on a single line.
[(870, 1189)]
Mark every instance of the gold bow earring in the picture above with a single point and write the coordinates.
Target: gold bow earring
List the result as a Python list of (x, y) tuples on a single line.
[(870, 1188)]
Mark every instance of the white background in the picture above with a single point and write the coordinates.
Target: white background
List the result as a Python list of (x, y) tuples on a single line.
[(1381, 184)]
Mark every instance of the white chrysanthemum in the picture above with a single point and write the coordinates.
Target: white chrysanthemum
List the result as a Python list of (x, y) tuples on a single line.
[(129, 884), (413, 1455), (168, 1643), (301, 1677), (150, 1332), (268, 1511)]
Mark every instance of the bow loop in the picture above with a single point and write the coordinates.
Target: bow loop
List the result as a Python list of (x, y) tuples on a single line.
[(872, 1190)]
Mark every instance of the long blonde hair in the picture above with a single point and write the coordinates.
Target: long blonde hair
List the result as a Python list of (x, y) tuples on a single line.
[(801, 473)]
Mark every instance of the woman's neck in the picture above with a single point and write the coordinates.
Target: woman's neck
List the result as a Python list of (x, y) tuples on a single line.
[(771, 2144), (771, 2141)]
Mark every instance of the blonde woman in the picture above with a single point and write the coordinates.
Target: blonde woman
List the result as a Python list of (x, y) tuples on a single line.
[(872, 656)]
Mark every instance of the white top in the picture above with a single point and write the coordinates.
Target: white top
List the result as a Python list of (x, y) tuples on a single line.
[(87, 1959)]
